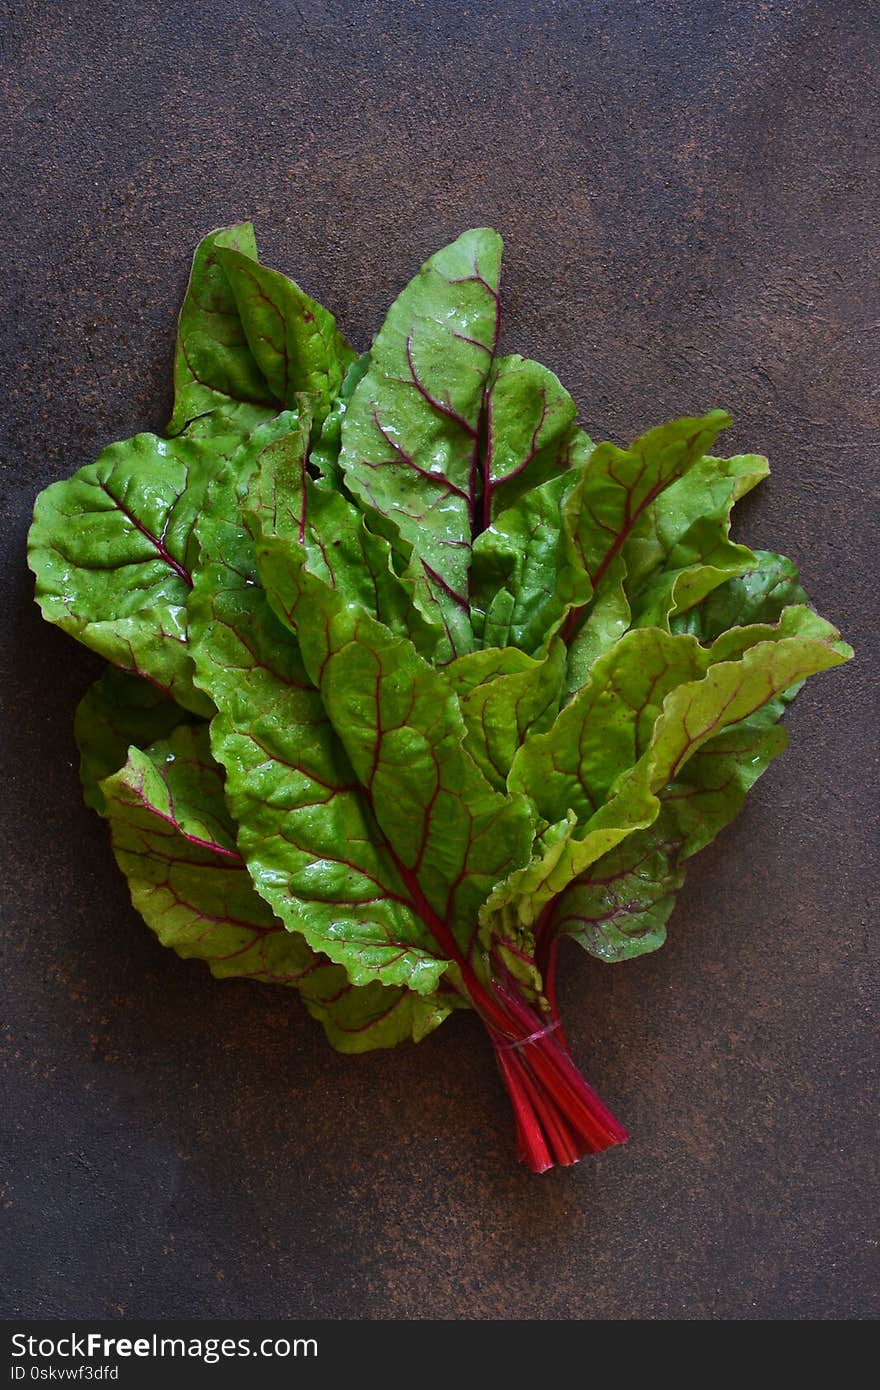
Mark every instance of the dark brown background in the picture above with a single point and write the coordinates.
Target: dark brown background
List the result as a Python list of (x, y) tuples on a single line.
[(685, 190)]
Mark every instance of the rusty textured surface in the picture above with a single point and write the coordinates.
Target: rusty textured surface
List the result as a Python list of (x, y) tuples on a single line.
[(686, 195)]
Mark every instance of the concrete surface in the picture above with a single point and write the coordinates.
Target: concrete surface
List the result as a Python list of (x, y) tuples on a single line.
[(687, 193)]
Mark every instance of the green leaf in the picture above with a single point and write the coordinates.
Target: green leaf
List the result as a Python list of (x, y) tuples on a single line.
[(758, 594), (696, 567), (528, 433), (411, 433), (612, 506), (174, 840), (226, 429), (452, 835), (404, 735), (112, 549), (633, 510), (311, 843), (617, 487), (709, 489), (363, 1018), (284, 505), (504, 696), (677, 552), (608, 617), (526, 575), (650, 704), (657, 697), (674, 553), (175, 843), (294, 340), (619, 906), (694, 531), (118, 710), (216, 377), (324, 457)]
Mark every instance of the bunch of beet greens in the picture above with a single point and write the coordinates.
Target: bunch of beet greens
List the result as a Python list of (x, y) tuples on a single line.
[(408, 678)]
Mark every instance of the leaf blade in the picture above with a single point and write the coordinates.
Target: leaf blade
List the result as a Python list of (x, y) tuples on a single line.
[(294, 340), (112, 551), (118, 710), (452, 834), (174, 840), (649, 706), (312, 847), (529, 436), (410, 436), (214, 368), (619, 906)]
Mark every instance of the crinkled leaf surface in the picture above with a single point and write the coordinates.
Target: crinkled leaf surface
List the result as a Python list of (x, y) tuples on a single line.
[(294, 340), (709, 488), (618, 907), (626, 515), (528, 433), (225, 429), (216, 376), (505, 696), (526, 574), (613, 503), (452, 835), (757, 594), (119, 710), (472, 679), (649, 705), (113, 549), (285, 505), (677, 553), (324, 457), (616, 488), (691, 526), (175, 841), (607, 617), (411, 433), (403, 732), (306, 831), (661, 695)]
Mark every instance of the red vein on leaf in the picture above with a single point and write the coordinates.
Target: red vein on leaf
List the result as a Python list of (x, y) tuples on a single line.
[(442, 408), (437, 479), (155, 541), (575, 617), (170, 819), (282, 350)]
